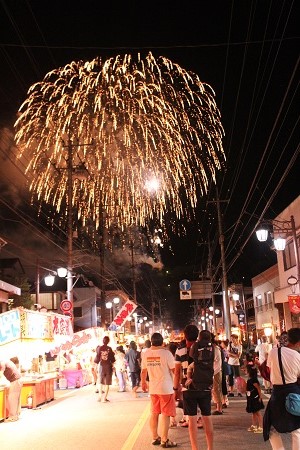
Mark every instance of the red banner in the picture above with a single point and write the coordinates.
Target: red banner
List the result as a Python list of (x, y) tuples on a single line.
[(123, 315), (294, 302)]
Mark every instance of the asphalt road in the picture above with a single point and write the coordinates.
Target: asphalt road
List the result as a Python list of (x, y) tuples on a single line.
[(76, 420)]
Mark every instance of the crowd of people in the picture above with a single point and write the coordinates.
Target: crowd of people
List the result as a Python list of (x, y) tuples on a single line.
[(192, 376), (200, 372)]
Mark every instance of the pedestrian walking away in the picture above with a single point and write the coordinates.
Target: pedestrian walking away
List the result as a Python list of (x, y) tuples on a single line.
[(105, 357), (133, 361), (159, 363), (199, 391)]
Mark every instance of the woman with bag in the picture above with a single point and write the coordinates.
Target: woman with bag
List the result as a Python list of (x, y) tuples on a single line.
[(284, 363)]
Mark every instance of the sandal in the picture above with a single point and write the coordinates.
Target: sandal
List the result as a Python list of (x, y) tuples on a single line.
[(156, 441), (168, 444)]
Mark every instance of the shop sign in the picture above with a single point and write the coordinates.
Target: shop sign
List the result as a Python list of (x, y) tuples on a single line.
[(123, 314), (61, 325), (84, 337), (35, 325), (10, 327), (294, 303)]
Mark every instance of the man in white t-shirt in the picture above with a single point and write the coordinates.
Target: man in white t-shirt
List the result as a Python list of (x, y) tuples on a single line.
[(263, 350), (159, 363), (276, 418)]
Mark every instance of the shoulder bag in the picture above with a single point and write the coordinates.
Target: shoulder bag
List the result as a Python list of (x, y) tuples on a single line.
[(292, 401)]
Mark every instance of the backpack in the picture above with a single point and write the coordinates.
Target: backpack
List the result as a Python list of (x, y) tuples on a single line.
[(202, 354)]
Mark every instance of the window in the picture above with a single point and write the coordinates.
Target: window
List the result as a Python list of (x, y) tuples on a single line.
[(258, 303), (289, 259), (49, 300), (77, 311), (269, 300)]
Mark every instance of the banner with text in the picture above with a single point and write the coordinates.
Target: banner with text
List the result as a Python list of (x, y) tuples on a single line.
[(126, 311)]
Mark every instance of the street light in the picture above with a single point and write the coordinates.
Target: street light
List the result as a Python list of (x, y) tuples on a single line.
[(49, 280), (281, 227), (109, 306)]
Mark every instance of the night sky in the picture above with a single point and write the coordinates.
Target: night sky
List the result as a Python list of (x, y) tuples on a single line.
[(248, 51)]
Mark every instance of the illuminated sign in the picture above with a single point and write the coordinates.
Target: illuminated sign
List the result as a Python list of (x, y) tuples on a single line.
[(35, 325), (10, 327)]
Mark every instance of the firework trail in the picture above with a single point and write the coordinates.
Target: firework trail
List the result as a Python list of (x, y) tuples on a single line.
[(131, 124)]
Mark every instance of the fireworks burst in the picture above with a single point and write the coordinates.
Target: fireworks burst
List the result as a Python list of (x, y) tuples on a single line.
[(147, 133)]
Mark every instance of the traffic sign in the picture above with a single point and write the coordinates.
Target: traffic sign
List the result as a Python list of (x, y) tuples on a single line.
[(185, 295), (66, 305), (185, 285)]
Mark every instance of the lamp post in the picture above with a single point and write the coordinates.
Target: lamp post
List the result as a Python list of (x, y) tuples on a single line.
[(281, 228), (135, 323)]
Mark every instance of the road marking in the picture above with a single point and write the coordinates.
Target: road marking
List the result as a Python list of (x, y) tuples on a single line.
[(130, 441)]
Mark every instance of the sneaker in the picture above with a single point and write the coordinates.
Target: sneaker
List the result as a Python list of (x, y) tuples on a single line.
[(258, 430), (240, 395), (231, 394), (168, 444), (217, 413), (252, 428)]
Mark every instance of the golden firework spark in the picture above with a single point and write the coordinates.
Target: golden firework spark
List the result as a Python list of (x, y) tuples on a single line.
[(132, 125)]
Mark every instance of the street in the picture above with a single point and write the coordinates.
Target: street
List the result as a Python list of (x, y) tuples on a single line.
[(76, 420)]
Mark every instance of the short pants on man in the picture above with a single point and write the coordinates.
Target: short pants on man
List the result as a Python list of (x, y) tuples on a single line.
[(193, 399), (105, 374), (163, 404)]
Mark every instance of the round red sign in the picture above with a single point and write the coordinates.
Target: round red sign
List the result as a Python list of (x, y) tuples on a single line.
[(66, 305)]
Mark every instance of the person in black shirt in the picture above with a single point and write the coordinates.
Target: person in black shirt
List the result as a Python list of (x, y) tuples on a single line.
[(106, 359)]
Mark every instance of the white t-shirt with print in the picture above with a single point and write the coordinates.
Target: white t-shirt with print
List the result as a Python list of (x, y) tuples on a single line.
[(237, 349), (290, 363), (159, 364)]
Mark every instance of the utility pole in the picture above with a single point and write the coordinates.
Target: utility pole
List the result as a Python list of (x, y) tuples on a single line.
[(152, 307), (70, 169), (213, 303), (70, 229), (133, 273), (37, 282), (226, 304), (102, 256)]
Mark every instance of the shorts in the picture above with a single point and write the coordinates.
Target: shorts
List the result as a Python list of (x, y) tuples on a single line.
[(135, 379), (105, 374), (163, 404), (194, 399)]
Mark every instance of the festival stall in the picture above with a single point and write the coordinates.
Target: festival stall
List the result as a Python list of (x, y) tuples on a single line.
[(76, 356), (29, 335)]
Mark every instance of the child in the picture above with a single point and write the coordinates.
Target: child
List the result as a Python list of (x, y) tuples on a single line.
[(254, 400)]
